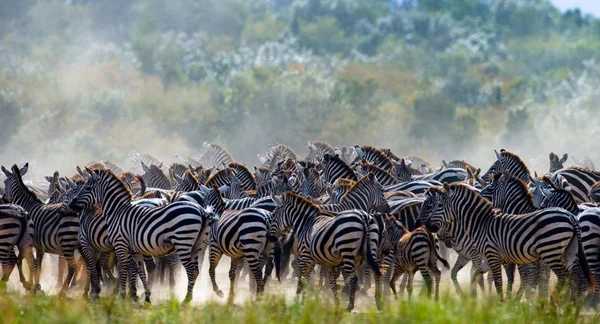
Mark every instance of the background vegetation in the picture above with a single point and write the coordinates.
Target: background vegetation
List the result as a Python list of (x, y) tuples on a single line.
[(82, 79)]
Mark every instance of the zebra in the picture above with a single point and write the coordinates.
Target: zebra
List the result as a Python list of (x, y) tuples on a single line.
[(138, 158), (551, 235), (558, 197), (137, 231), (556, 163), (365, 194), (587, 163), (214, 155), (374, 156), (589, 221), (460, 164), (317, 149), (383, 176), (52, 232), (451, 175), (262, 175), (276, 154), (245, 176), (580, 180), (512, 196), (508, 163), (187, 182), (417, 187), (241, 235), (595, 193), (155, 177), (311, 185), (346, 239), (14, 232), (334, 168), (412, 250)]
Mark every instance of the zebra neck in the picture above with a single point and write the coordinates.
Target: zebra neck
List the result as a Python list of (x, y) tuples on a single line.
[(473, 219), (24, 197), (303, 224), (518, 207)]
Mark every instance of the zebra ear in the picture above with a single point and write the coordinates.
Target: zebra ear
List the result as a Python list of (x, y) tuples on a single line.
[(81, 173), (145, 167), (205, 189), (371, 176), (160, 165), (49, 179), (444, 163), (447, 188), (6, 172), (278, 201), (498, 156), (564, 158), (552, 156)]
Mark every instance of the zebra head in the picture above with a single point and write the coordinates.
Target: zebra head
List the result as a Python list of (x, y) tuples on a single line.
[(88, 194), (70, 195), (556, 163), (508, 163), (279, 225), (12, 180), (496, 190), (432, 211)]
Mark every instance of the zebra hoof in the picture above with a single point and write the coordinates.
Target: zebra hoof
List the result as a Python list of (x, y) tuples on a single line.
[(220, 293), (147, 300)]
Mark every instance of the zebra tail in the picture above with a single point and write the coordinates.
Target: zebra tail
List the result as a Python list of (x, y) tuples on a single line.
[(277, 250), (585, 266), (442, 260), (371, 257)]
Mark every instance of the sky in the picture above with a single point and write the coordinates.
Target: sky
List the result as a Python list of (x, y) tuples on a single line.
[(586, 6)]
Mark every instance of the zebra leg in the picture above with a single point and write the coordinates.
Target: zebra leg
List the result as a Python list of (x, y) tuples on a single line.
[(496, 270), (69, 257), (437, 276), (26, 284), (214, 258), (255, 263), (510, 277), (151, 268), (409, 284), (460, 263), (395, 276), (31, 261), (544, 279), (305, 265), (173, 262), (403, 283), (38, 269), (8, 265), (122, 254), (388, 265), (189, 259), (232, 277), (352, 279), (138, 260), (367, 278), (270, 263), (93, 278), (61, 271), (426, 273), (334, 273)]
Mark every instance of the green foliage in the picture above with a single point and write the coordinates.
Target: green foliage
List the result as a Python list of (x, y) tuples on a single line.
[(440, 73), (276, 309)]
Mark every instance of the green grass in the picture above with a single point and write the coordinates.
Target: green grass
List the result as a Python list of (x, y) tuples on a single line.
[(19, 308)]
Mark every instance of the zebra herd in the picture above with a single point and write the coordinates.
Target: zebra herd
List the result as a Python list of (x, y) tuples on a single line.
[(360, 212)]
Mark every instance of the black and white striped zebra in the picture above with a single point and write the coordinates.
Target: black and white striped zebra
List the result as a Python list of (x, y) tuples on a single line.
[(595, 193), (366, 194), (335, 168), (244, 175), (512, 196), (14, 233), (417, 186), (242, 235), (373, 156), (138, 158), (551, 235), (276, 154), (137, 231), (580, 180), (52, 232), (384, 177), (318, 149), (589, 221), (347, 239), (412, 251), (556, 163), (155, 177), (508, 163), (214, 155)]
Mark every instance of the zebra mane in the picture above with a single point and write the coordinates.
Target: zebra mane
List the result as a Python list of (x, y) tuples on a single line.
[(370, 167), (515, 157), (390, 154), (343, 182), (105, 173), (226, 172), (189, 176), (335, 159), (549, 181), (295, 199), (324, 145), (467, 192), (17, 172), (379, 155), (365, 180), (578, 168), (510, 179)]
